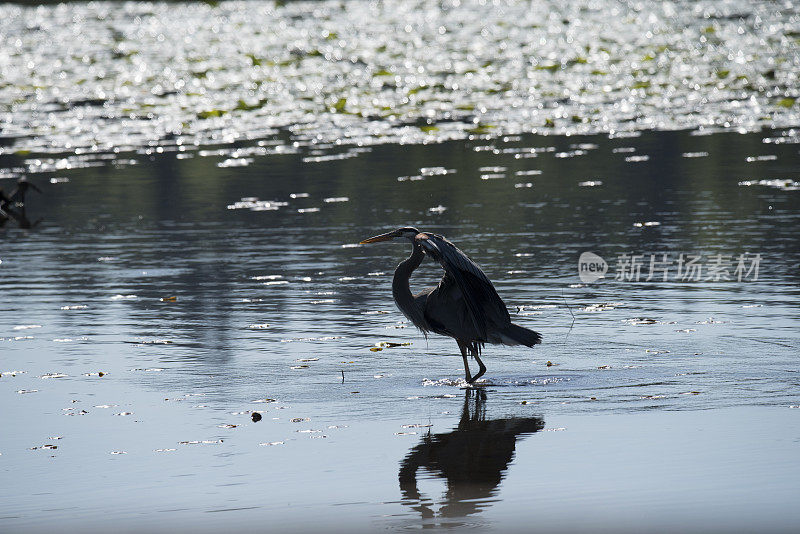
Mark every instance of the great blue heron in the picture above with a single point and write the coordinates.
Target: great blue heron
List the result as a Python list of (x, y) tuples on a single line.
[(464, 306)]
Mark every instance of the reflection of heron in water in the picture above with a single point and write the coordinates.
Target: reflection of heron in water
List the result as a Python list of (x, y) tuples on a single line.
[(472, 459), (464, 306), (13, 205)]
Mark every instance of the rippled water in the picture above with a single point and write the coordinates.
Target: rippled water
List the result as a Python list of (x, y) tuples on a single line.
[(206, 293), (191, 337)]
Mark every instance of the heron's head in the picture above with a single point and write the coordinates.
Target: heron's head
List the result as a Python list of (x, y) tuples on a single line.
[(406, 232)]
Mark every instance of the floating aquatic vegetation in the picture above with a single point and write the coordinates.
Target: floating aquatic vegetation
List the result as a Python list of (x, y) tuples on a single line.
[(551, 67), (235, 162), (641, 320), (602, 306), (254, 204), (786, 184), (435, 171)]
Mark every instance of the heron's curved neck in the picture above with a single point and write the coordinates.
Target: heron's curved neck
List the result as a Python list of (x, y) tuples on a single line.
[(401, 290)]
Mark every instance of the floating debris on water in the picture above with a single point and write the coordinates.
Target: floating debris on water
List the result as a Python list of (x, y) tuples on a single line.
[(260, 326), (437, 209), (307, 210), (640, 320), (768, 157), (335, 199), (637, 159), (694, 154), (53, 375), (646, 224), (590, 183), (710, 320)]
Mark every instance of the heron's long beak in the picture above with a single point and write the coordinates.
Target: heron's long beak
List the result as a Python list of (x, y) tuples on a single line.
[(388, 236)]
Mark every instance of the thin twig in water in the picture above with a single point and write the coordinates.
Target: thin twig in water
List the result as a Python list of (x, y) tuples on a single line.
[(342, 377), (570, 312)]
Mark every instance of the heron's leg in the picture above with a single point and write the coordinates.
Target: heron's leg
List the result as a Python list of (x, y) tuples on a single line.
[(480, 364), (463, 348)]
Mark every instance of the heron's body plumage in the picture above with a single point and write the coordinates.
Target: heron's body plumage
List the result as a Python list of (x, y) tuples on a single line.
[(464, 305)]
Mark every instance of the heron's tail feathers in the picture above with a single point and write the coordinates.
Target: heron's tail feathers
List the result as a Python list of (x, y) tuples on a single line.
[(518, 335)]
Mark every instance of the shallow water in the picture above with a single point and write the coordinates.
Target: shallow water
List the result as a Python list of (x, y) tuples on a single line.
[(193, 264), (200, 311)]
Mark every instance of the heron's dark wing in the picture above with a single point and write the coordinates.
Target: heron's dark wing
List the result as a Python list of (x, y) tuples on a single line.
[(485, 307)]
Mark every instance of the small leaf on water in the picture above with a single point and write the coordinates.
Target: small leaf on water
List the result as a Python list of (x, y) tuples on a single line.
[(169, 299), (375, 349)]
